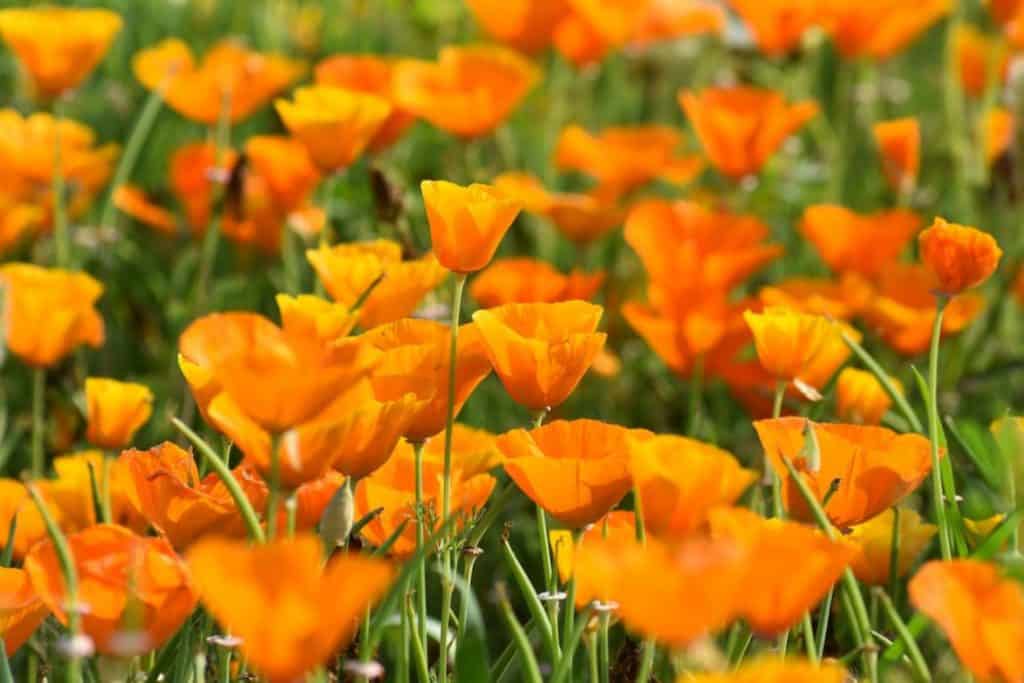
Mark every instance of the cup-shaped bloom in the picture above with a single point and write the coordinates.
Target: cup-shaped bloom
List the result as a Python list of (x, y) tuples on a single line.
[(526, 280), (961, 257), (526, 25), (899, 144), (860, 397), (879, 29), (904, 308), (979, 610), (679, 480), (467, 223), (475, 451), (798, 346), (48, 313), (133, 592), (742, 127), (393, 488), (115, 411), (787, 567), (373, 75), (349, 271), (469, 91), (576, 470), (617, 525), (874, 467), (778, 26), (541, 351), (230, 81), (581, 217), (21, 610), (978, 56), (767, 669), (56, 57), (840, 298), (861, 243), (335, 124), (273, 598), (415, 360), (873, 562)]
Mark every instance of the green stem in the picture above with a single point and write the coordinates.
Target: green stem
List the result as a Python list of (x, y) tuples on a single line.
[(604, 651), (573, 638), (531, 670), (533, 603), (938, 501), (824, 615), (252, 521), (38, 422), (224, 664), (418, 651), (780, 393), (696, 391), (211, 239), (883, 378), (106, 506), (60, 214), (421, 571), (592, 658), (132, 148), (894, 552), (920, 667), (464, 605)]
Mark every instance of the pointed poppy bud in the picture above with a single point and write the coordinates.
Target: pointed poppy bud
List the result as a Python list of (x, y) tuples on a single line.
[(899, 143), (860, 397), (116, 410), (961, 257), (467, 223)]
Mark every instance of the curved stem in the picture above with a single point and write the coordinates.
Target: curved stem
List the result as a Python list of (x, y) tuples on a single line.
[(38, 422), (938, 498), (421, 571)]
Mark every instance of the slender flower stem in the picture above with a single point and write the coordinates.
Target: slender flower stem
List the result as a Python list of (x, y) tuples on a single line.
[(604, 651), (106, 506), (143, 124), (208, 255), (592, 658), (696, 392), (894, 552), (38, 422), (824, 615), (421, 572), (921, 672), (73, 671), (470, 562), (883, 378), (780, 394), (938, 499), (60, 215), (419, 652)]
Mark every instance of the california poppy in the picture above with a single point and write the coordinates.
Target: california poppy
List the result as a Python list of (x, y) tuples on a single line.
[(72, 491), (115, 411), (58, 59), (582, 217), (272, 597), (474, 450), (335, 124), (860, 397), (541, 351), (778, 26), (961, 257), (129, 586), (861, 243), (841, 298), (132, 200), (767, 669), (48, 313), (871, 468), (415, 360), (374, 272), (881, 28), (678, 480), (230, 82), (980, 611), (873, 562), (21, 610), (467, 223), (899, 144), (903, 309), (795, 346), (373, 75), (779, 590), (525, 280), (393, 488), (576, 470), (742, 127), (469, 91), (526, 25), (981, 59), (195, 169), (997, 130), (618, 525)]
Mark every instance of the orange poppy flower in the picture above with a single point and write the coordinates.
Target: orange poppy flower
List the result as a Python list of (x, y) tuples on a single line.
[(579, 42), (71, 491), (903, 310), (1003, 11), (541, 351), (475, 450), (879, 29), (57, 59), (115, 411), (579, 217), (129, 586), (167, 490), (334, 124), (526, 280), (132, 200), (393, 488), (617, 525), (576, 470), (861, 243), (798, 346), (18, 222), (779, 590), (672, 19), (872, 563), (767, 669), (778, 25), (860, 397), (680, 335), (469, 91), (623, 158), (194, 172), (742, 127), (415, 360), (678, 480), (272, 597), (840, 299), (348, 271), (980, 611), (997, 133), (526, 25), (467, 223), (373, 75), (875, 467), (960, 257), (899, 143), (21, 610), (48, 313), (980, 58), (230, 80)]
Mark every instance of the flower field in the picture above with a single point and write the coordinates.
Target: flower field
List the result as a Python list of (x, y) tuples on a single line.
[(521, 340)]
